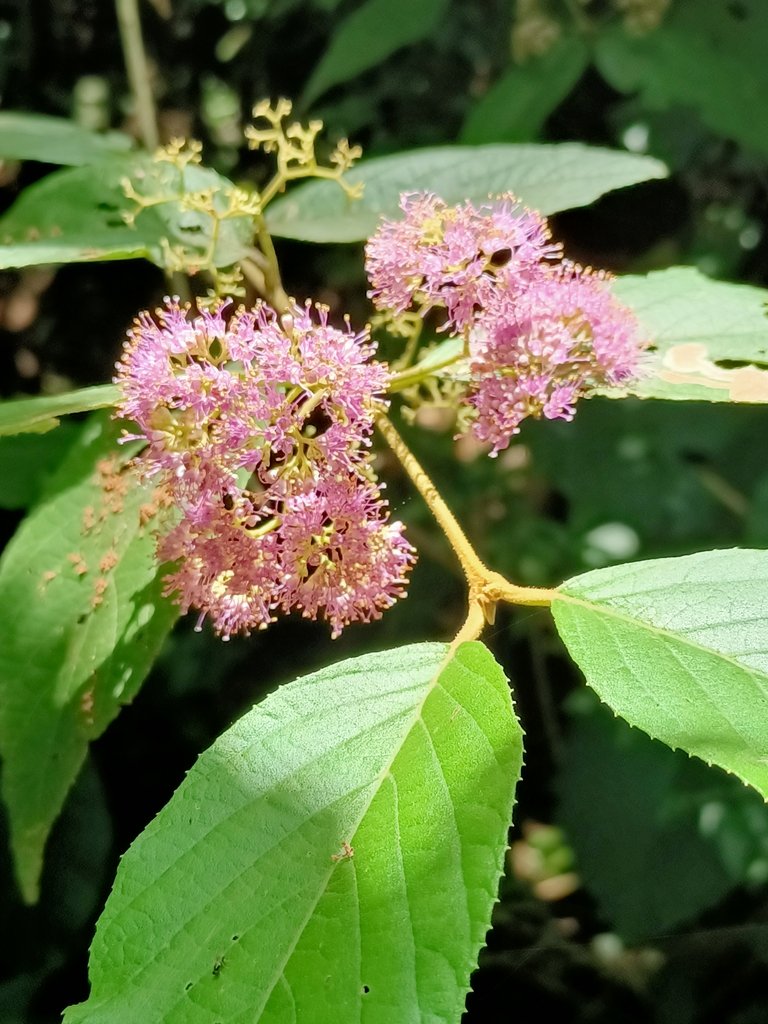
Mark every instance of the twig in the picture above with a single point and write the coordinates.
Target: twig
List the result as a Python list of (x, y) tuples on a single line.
[(138, 71)]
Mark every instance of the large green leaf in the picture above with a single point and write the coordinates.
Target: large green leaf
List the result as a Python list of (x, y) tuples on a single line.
[(82, 622), (515, 107), (699, 328), (74, 215), (546, 178), (709, 57), (368, 36), (38, 415), (677, 647), (334, 855), (78, 215), (55, 140)]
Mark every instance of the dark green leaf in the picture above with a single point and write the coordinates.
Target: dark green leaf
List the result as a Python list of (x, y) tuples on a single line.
[(27, 460), (368, 36), (336, 853), (79, 854), (706, 56), (652, 467), (515, 108), (628, 801), (546, 178), (82, 622)]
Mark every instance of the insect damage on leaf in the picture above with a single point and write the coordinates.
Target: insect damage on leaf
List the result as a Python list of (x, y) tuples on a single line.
[(689, 364)]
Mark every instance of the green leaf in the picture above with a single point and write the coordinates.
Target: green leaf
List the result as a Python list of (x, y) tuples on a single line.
[(709, 57), (677, 647), (55, 140), (72, 216), (546, 178), (368, 36), (626, 801), (241, 902), (695, 325), (26, 460), (78, 215), (82, 621), (515, 107), (37, 415)]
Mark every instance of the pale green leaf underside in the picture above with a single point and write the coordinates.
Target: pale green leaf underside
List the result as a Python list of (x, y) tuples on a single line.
[(82, 621), (38, 415), (547, 178), (55, 140), (238, 904), (695, 324), (679, 648)]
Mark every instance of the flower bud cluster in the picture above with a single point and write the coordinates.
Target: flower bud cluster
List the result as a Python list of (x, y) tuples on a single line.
[(259, 428), (539, 331)]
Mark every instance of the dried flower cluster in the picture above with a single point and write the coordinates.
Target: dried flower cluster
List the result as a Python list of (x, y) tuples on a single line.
[(259, 427), (539, 331)]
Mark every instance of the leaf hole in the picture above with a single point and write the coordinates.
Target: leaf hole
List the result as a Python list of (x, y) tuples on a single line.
[(188, 986), (733, 364), (366, 990), (235, 938)]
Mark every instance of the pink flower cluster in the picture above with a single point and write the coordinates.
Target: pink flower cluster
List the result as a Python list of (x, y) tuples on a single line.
[(258, 427), (539, 332)]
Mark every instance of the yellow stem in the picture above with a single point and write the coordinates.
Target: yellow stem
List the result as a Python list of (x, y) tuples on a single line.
[(275, 292), (276, 184), (486, 587), (473, 567), (253, 273), (473, 626)]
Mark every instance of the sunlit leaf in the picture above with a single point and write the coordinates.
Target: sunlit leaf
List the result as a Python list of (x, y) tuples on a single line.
[(339, 847), (710, 339), (677, 647), (38, 415)]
